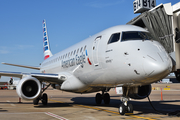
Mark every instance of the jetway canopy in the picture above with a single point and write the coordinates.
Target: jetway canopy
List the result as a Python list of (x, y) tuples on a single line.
[(158, 21)]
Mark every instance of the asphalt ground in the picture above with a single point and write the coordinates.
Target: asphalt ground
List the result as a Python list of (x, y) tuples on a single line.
[(64, 105)]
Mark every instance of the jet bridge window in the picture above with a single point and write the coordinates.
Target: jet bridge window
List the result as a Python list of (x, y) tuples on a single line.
[(114, 38), (135, 35)]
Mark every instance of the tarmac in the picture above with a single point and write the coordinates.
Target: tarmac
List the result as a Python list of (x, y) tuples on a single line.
[(64, 105)]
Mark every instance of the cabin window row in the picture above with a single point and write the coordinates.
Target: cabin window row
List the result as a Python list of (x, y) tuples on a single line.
[(75, 52)]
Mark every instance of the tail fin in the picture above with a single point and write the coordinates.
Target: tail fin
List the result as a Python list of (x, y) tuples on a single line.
[(46, 48)]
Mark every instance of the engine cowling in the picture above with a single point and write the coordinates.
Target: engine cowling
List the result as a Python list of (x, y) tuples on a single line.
[(29, 88), (140, 92)]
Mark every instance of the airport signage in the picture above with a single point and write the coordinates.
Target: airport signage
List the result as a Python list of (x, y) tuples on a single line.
[(141, 6)]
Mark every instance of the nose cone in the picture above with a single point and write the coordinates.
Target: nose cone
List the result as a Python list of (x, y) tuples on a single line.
[(157, 66)]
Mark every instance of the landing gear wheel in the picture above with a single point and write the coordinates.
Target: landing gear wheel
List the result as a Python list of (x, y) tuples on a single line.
[(130, 108), (36, 101), (44, 99), (122, 109), (106, 98), (98, 98)]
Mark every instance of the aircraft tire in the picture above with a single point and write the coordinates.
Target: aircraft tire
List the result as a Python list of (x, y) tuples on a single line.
[(122, 109), (98, 98), (44, 99), (36, 101), (130, 108), (106, 98)]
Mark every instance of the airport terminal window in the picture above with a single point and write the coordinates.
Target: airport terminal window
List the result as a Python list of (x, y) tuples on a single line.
[(135, 35), (114, 38)]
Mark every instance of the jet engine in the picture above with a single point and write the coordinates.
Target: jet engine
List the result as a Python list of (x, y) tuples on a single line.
[(139, 92), (29, 88)]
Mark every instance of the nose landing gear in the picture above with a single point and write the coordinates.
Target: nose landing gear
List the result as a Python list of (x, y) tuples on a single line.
[(125, 107)]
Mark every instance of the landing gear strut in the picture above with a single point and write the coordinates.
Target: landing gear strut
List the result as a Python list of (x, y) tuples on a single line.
[(100, 97), (125, 107), (42, 97)]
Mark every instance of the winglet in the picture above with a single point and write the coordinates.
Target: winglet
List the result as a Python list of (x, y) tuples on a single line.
[(46, 48)]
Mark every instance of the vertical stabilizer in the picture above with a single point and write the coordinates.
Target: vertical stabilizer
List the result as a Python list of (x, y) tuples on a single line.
[(46, 48)]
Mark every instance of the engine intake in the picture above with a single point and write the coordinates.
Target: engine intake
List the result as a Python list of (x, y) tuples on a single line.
[(140, 92), (29, 88)]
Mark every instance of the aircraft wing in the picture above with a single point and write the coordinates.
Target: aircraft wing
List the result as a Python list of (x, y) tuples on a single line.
[(43, 77), (31, 67), (168, 77)]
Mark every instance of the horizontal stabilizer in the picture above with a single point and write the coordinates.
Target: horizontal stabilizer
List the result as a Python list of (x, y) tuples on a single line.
[(31, 67)]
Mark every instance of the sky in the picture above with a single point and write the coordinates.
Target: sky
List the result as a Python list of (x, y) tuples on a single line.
[(68, 22)]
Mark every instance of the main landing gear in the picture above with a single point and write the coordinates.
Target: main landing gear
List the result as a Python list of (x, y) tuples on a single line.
[(103, 96), (42, 97)]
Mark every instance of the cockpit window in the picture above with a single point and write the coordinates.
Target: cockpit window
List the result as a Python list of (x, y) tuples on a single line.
[(135, 35), (114, 38)]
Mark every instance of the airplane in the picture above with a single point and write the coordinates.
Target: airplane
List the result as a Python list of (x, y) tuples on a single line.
[(123, 55), (10, 85)]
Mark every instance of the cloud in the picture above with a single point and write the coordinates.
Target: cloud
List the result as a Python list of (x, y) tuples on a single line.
[(22, 47), (10, 49), (103, 3), (4, 50)]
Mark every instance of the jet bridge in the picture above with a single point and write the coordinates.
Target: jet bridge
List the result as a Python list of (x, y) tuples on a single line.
[(163, 22)]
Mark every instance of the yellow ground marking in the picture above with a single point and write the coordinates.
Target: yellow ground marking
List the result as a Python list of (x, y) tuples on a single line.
[(166, 88), (109, 111)]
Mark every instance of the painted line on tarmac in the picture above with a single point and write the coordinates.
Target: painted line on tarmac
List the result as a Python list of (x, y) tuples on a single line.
[(55, 116), (10, 102), (109, 111), (24, 113)]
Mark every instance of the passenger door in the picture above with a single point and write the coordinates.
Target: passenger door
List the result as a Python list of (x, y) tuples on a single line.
[(95, 52)]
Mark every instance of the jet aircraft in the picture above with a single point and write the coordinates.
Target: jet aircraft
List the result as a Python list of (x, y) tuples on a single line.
[(123, 55)]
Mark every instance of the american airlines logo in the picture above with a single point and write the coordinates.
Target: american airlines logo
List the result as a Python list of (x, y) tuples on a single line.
[(45, 37), (78, 60)]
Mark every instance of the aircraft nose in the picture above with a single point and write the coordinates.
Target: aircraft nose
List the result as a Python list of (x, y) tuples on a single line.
[(159, 65)]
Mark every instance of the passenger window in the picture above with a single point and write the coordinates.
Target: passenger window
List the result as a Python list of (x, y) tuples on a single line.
[(81, 49), (114, 38), (74, 52), (71, 53), (77, 51), (84, 48), (99, 37)]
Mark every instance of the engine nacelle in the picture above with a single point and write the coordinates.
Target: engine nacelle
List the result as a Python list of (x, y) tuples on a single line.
[(140, 92), (29, 88)]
